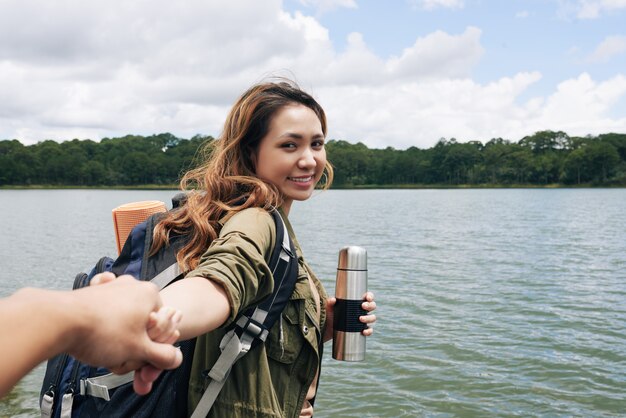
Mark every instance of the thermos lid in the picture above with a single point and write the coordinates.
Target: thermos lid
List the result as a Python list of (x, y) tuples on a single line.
[(352, 258)]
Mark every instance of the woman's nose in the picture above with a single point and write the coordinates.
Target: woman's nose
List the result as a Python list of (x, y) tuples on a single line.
[(307, 159)]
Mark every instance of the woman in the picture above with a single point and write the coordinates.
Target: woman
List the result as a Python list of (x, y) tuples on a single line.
[(270, 154)]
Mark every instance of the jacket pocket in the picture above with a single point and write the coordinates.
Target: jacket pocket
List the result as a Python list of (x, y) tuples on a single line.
[(286, 338)]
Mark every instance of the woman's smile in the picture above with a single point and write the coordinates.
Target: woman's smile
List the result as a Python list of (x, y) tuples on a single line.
[(291, 155), (302, 180)]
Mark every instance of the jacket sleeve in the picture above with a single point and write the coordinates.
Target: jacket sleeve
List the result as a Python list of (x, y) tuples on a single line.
[(238, 259)]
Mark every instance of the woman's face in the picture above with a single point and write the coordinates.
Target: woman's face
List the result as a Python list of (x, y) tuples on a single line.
[(292, 155)]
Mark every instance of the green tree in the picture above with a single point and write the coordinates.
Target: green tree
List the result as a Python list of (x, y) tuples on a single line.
[(546, 168), (601, 159), (51, 162), (16, 163), (349, 161), (459, 162), (574, 167), (496, 166), (545, 141)]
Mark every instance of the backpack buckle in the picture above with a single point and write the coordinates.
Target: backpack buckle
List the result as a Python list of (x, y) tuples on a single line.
[(252, 328)]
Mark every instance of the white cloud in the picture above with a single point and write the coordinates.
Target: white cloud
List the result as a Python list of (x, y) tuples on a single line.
[(108, 68), (323, 6), (592, 9), (581, 106), (608, 48), (434, 4), (136, 64), (522, 14), (310, 27), (419, 113), (439, 55)]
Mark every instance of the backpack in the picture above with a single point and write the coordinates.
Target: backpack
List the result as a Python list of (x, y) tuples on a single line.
[(74, 389)]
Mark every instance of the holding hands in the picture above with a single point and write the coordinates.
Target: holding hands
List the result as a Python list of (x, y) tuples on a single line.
[(144, 332), (120, 325)]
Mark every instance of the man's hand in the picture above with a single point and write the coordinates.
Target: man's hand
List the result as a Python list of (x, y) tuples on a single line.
[(120, 316)]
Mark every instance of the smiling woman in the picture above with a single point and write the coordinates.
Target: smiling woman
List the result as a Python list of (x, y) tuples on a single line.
[(270, 154), (292, 155)]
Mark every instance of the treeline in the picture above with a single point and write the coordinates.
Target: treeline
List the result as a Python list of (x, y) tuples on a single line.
[(545, 158), (126, 161)]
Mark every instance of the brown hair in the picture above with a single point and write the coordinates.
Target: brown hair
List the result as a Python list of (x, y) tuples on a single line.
[(216, 187)]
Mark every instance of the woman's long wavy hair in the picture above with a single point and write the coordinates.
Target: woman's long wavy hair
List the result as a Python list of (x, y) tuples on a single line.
[(226, 182)]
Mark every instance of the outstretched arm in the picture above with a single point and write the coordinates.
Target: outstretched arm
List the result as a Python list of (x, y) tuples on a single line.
[(203, 303), (100, 325), (231, 275)]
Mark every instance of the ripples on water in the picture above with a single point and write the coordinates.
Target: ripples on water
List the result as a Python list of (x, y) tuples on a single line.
[(491, 302)]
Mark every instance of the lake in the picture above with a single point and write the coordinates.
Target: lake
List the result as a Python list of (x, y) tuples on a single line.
[(492, 303)]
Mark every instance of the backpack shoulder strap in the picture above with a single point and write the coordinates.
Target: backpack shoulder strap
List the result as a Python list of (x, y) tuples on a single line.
[(135, 259), (284, 268), (161, 268), (252, 327)]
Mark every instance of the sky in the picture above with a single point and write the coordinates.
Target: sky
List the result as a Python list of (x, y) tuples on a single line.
[(394, 73)]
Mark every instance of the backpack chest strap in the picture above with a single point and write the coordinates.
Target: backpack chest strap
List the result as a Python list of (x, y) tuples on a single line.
[(100, 386)]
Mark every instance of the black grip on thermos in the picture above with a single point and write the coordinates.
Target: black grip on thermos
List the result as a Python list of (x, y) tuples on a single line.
[(347, 313)]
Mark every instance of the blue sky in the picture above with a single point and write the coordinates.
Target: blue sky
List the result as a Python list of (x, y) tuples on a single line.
[(560, 39), (516, 35), (389, 73)]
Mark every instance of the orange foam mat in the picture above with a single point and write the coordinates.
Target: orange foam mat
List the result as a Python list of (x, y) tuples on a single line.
[(126, 216)]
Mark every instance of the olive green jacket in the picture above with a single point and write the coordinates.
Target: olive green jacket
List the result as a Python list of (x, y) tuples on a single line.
[(272, 379)]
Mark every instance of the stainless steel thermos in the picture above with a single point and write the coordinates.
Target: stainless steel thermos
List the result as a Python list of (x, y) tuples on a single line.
[(350, 289)]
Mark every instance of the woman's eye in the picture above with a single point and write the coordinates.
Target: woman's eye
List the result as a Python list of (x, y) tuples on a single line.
[(288, 145), (318, 144)]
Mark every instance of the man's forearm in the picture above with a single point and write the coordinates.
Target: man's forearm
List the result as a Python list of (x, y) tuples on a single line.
[(35, 326)]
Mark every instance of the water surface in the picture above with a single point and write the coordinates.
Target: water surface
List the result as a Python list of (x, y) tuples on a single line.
[(491, 302)]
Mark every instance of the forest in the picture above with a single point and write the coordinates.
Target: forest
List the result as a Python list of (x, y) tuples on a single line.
[(546, 158)]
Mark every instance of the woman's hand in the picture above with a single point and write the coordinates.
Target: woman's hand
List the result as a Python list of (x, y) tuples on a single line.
[(368, 305)]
